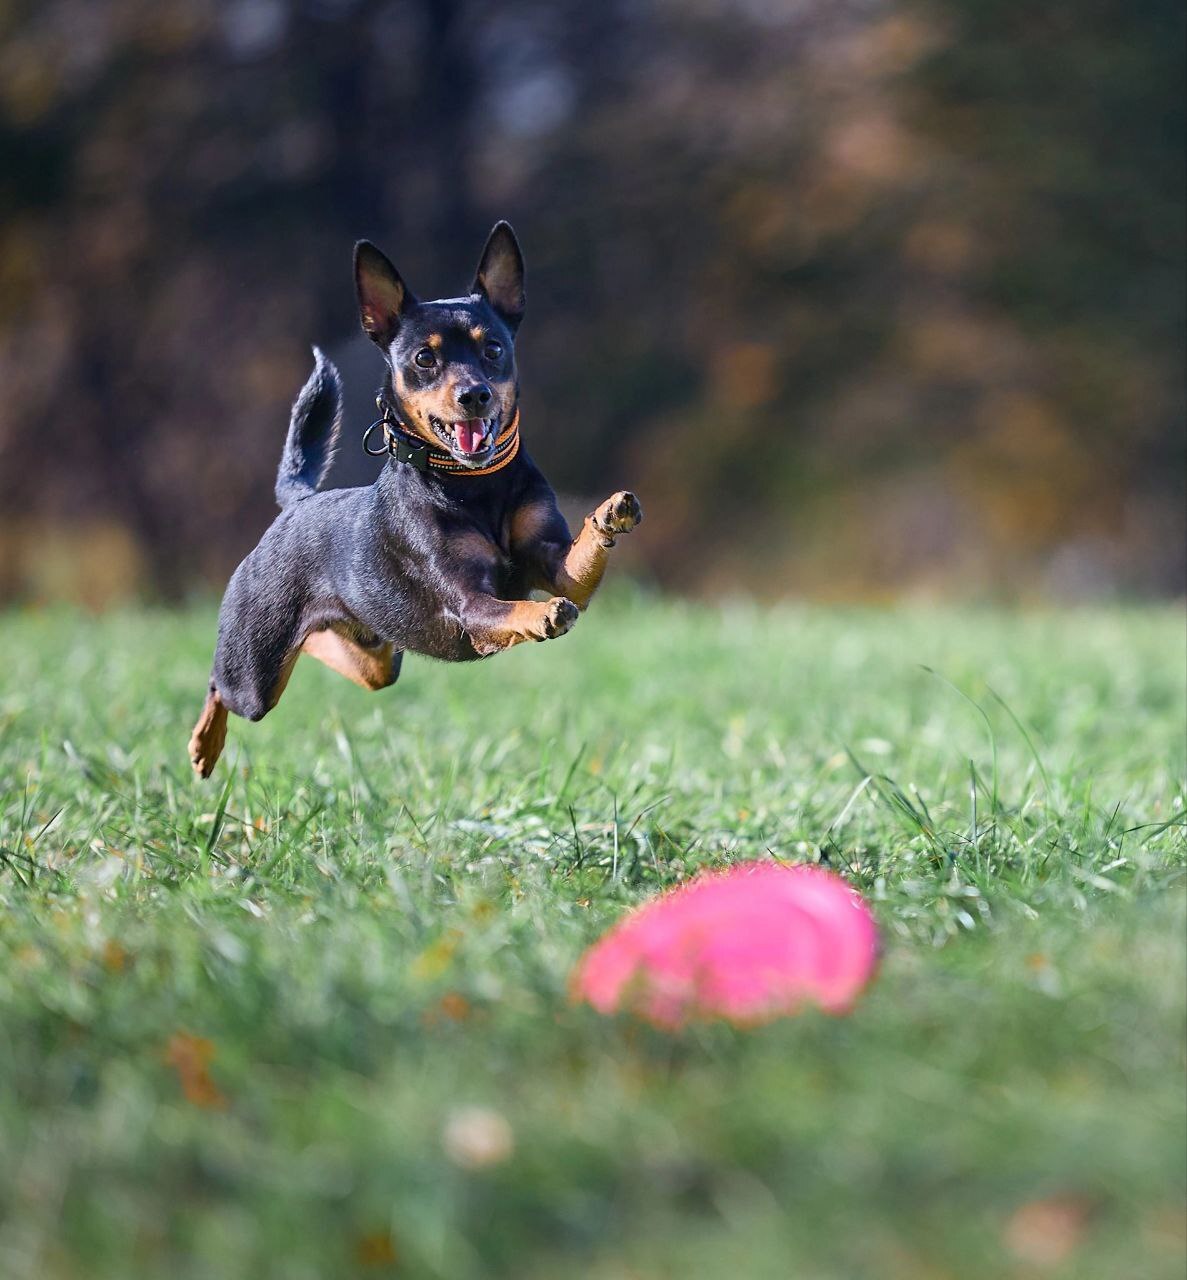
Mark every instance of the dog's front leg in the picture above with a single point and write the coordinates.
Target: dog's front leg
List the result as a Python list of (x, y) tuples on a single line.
[(494, 625), (578, 572)]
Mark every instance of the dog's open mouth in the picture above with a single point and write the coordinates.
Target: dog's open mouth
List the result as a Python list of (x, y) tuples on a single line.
[(471, 439)]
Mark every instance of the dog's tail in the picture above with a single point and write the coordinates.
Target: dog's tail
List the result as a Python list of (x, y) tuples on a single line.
[(313, 433)]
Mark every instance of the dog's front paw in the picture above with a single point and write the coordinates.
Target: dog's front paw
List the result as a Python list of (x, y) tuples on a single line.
[(558, 617), (618, 514)]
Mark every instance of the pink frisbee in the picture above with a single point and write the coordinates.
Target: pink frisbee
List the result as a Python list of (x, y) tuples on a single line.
[(751, 943)]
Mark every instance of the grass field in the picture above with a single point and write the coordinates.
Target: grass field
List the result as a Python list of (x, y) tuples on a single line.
[(310, 1019)]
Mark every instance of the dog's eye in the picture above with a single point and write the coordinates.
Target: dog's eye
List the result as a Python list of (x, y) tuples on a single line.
[(425, 358), (493, 350)]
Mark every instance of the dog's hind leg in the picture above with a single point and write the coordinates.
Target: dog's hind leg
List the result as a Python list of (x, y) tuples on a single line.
[(251, 699), (258, 644), (364, 660), (210, 733)]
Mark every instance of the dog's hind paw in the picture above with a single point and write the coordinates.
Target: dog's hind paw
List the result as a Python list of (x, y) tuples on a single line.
[(209, 736), (618, 514), (201, 763)]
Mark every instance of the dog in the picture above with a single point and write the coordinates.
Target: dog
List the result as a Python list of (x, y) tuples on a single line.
[(441, 554)]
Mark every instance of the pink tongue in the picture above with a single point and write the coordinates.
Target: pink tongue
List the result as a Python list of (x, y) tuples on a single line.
[(468, 435)]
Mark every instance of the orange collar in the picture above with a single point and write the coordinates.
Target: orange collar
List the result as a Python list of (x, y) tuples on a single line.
[(405, 447)]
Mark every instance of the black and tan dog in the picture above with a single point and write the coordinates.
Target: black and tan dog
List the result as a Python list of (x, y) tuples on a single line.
[(439, 556)]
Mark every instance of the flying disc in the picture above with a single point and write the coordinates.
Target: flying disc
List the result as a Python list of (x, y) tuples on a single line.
[(757, 941)]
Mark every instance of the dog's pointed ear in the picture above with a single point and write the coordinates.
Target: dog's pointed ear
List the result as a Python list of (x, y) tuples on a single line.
[(383, 296), (500, 275)]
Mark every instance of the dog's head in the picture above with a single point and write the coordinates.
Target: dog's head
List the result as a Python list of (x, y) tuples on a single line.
[(452, 361)]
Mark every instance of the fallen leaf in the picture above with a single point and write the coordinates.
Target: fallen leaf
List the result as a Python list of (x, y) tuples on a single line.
[(375, 1250), (435, 958), (190, 1056)]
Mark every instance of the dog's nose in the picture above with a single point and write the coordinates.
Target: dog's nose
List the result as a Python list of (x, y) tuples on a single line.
[(475, 397)]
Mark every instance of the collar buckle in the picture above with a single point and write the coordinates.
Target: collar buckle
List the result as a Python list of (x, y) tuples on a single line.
[(412, 452)]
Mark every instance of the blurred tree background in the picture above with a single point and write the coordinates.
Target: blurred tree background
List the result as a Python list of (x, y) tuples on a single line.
[(862, 296)]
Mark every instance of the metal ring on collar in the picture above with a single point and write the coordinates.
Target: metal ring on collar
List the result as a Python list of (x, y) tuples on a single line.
[(384, 448)]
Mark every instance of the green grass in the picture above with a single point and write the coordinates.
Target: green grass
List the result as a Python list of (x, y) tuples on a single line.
[(371, 912)]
